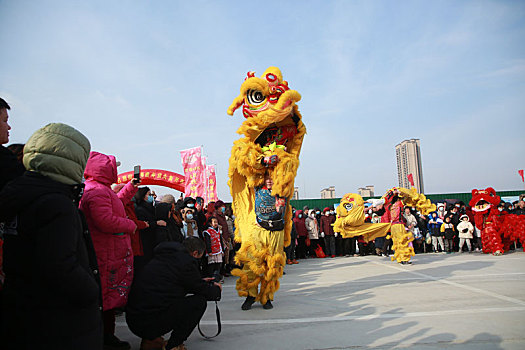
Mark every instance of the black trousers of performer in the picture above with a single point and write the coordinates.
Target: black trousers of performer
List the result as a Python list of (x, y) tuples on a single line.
[(180, 318)]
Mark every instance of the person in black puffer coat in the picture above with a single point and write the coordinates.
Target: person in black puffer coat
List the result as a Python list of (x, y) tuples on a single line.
[(148, 236), (171, 232), (52, 296), (170, 294)]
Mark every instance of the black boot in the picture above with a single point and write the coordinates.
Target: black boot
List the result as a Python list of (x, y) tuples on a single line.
[(247, 305), (111, 342), (268, 305)]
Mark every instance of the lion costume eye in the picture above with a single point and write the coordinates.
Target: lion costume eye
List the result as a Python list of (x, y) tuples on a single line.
[(255, 97), (349, 206)]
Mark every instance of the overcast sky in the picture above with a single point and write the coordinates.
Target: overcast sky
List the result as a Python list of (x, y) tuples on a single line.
[(145, 79)]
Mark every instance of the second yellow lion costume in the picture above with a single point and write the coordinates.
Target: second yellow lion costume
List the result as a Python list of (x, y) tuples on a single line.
[(273, 135), (350, 220)]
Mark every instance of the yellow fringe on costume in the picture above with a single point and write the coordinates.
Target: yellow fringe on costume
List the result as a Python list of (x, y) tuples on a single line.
[(262, 252), (400, 239)]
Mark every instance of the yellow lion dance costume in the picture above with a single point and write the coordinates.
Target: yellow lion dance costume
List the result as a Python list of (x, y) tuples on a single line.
[(273, 134), (350, 220)]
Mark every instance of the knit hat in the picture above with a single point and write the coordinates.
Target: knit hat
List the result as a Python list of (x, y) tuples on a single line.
[(326, 209), (463, 216)]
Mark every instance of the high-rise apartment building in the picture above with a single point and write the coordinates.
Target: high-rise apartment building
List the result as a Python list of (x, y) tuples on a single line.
[(408, 155)]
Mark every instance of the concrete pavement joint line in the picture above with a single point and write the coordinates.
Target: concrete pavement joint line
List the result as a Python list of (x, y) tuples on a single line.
[(458, 285), (365, 317), (359, 317), (470, 277)]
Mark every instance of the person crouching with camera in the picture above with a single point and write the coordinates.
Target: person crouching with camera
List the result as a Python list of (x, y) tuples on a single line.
[(170, 295)]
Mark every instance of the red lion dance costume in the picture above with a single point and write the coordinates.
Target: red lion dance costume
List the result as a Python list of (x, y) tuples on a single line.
[(498, 229)]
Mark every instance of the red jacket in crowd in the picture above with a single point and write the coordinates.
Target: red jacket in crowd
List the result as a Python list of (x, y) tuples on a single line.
[(326, 225), (300, 226)]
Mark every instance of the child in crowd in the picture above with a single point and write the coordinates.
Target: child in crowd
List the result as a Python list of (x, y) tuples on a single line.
[(441, 212), (434, 225), (465, 230), (447, 228), (213, 239)]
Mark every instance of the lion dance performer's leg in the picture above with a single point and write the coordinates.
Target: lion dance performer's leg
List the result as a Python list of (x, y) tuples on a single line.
[(491, 239), (513, 228), (263, 259), (401, 239)]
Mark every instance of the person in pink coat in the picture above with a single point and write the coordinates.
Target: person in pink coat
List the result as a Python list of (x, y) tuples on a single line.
[(110, 231)]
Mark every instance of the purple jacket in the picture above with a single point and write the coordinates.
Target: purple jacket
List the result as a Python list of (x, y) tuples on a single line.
[(109, 227)]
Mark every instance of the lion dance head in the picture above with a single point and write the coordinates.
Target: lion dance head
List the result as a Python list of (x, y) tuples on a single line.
[(267, 99), (351, 209), (483, 200)]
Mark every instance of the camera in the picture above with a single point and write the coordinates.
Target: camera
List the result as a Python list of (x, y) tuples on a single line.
[(216, 279)]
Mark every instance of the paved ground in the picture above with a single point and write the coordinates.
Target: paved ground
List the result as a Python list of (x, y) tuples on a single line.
[(460, 301)]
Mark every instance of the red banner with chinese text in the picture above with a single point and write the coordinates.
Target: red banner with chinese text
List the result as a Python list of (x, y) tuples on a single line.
[(211, 183), (204, 179), (192, 165), (156, 177)]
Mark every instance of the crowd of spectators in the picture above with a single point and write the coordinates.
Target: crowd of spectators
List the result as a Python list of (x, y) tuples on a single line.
[(449, 229), (76, 249)]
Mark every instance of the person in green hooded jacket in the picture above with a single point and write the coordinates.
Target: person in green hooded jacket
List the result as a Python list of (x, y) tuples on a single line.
[(52, 297)]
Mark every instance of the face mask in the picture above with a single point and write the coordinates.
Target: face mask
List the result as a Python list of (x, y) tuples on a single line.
[(318, 212), (190, 205), (300, 216), (189, 216), (500, 209), (332, 212), (327, 213), (150, 199), (223, 209)]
